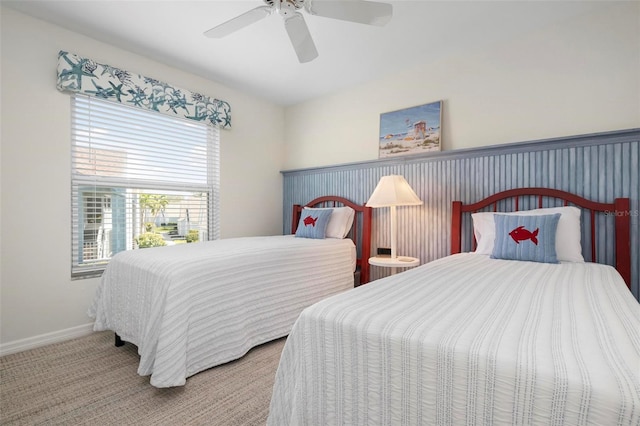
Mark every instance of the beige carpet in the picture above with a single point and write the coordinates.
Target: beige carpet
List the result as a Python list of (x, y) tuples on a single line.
[(88, 381)]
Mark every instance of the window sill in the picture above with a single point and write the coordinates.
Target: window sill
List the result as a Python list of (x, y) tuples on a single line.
[(82, 275)]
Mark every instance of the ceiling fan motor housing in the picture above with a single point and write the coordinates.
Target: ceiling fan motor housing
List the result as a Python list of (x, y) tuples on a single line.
[(285, 7)]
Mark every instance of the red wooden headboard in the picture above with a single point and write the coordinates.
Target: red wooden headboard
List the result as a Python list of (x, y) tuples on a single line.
[(619, 209), (361, 227)]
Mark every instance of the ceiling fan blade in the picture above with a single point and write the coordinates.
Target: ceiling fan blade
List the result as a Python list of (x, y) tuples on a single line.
[(363, 12), (239, 22), (300, 37)]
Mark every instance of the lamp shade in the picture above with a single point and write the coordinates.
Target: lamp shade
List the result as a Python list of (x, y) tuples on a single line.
[(393, 190)]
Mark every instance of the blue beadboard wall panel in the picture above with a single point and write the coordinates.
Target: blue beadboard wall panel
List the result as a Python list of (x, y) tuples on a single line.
[(598, 167)]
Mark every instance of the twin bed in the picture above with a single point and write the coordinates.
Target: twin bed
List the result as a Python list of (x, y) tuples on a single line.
[(194, 306), (478, 338)]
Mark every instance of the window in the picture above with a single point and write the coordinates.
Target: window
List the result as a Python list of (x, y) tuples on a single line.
[(139, 179)]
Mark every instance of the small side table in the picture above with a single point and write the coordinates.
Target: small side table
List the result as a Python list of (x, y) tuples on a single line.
[(398, 262)]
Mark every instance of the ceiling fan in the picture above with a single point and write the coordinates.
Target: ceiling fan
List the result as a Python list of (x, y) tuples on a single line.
[(364, 12)]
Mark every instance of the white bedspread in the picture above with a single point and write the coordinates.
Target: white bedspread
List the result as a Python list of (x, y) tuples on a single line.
[(193, 306), (467, 340)]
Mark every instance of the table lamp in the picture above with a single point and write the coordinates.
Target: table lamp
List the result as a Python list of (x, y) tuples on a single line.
[(393, 191)]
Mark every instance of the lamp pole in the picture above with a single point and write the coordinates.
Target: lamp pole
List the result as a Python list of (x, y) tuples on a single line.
[(393, 232)]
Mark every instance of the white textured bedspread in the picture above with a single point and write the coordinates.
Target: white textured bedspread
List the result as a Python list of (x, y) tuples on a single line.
[(467, 340), (193, 306)]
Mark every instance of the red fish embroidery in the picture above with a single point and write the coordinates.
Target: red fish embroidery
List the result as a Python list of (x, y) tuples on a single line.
[(310, 221), (521, 234)]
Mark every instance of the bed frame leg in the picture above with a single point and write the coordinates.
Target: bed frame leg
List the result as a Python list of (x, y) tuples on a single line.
[(119, 342)]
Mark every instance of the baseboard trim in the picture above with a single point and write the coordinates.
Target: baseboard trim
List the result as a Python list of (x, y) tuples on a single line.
[(45, 339)]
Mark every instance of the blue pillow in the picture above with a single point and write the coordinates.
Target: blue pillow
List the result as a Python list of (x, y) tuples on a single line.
[(531, 238), (313, 223)]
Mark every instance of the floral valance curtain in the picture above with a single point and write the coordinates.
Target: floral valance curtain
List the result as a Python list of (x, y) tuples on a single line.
[(77, 74)]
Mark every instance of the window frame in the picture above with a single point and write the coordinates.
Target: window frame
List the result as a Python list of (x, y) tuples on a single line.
[(85, 187)]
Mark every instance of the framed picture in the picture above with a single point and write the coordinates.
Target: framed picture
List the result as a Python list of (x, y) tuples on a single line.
[(410, 131)]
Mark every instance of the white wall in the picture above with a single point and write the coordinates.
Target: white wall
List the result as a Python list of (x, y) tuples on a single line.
[(581, 76), (37, 294)]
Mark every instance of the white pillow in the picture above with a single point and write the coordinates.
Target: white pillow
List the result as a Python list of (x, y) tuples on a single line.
[(568, 247), (340, 221)]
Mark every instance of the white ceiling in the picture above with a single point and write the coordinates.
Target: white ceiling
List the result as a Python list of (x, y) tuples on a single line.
[(260, 60)]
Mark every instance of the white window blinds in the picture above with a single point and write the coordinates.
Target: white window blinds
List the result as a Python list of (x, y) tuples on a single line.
[(140, 179)]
